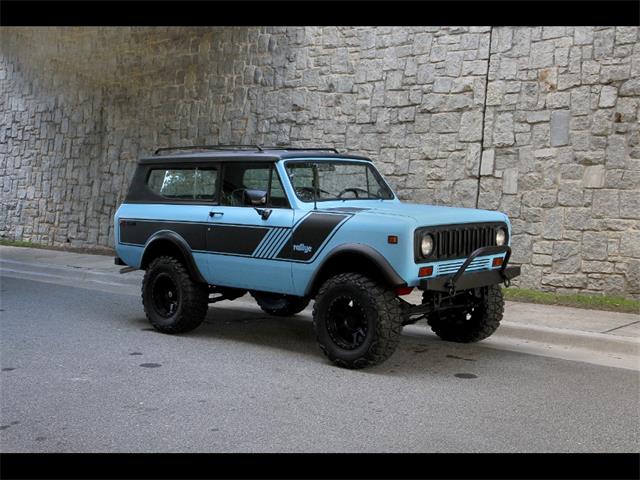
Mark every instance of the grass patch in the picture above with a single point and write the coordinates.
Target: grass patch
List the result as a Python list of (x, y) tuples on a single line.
[(591, 302)]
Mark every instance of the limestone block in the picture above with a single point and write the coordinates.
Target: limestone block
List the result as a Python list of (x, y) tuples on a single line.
[(471, 126), (630, 204), (552, 227), (503, 135), (510, 181), (630, 88), (608, 96), (606, 204), (560, 127), (594, 246), (630, 243), (486, 167), (594, 176), (566, 257)]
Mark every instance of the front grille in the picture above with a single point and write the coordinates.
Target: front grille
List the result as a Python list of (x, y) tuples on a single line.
[(452, 266), (458, 241)]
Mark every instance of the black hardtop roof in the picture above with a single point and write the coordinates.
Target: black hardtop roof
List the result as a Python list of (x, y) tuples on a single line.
[(259, 155)]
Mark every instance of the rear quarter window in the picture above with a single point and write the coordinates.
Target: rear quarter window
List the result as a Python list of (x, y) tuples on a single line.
[(188, 184)]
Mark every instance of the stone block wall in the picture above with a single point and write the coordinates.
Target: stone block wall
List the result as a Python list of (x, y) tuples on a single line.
[(562, 154), (541, 123)]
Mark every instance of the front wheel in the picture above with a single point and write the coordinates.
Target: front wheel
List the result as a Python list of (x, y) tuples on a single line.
[(475, 315), (357, 320), (172, 301)]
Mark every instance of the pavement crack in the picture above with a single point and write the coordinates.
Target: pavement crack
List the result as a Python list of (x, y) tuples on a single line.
[(621, 326)]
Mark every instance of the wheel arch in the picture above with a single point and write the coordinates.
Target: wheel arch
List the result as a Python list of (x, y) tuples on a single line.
[(357, 258), (167, 242)]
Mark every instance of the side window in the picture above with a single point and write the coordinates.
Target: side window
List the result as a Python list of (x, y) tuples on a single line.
[(186, 184), (256, 178), (277, 198), (205, 184), (240, 177)]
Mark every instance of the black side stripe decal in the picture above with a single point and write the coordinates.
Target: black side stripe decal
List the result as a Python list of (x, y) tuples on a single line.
[(310, 235), (222, 238), (302, 243), (278, 243), (265, 242), (232, 239), (137, 232), (272, 239)]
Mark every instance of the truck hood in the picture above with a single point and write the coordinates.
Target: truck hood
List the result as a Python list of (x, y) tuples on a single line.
[(425, 215)]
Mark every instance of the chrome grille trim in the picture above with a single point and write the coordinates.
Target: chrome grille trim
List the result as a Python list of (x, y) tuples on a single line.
[(458, 241)]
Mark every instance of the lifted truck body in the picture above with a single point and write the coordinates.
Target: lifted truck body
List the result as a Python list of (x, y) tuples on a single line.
[(274, 236)]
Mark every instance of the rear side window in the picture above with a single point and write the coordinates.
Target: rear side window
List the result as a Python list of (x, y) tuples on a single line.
[(189, 184)]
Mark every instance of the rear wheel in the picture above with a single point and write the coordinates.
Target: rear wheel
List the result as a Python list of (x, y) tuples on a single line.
[(477, 315), (357, 320), (280, 305), (172, 301)]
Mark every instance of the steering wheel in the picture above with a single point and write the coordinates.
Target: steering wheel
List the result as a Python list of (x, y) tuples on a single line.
[(355, 191), (306, 193)]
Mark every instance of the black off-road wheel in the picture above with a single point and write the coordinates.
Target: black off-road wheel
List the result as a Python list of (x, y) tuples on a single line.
[(476, 319), (172, 301), (357, 321), (280, 305)]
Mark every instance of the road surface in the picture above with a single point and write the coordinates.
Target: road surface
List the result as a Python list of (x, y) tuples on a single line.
[(83, 371)]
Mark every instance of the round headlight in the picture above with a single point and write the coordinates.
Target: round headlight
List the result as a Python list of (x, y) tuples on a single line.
[(501, 236), (426, 245)]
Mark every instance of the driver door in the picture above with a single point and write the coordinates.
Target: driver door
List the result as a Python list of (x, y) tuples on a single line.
[(245, 232)]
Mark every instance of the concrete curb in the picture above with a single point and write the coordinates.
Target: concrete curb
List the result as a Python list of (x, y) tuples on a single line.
[(571, 338), (69, 273)]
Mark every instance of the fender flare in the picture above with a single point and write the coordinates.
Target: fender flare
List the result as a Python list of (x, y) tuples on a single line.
[(389, 274), (183, 247)]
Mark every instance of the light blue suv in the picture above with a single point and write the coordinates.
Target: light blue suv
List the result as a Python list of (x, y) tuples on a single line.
[(291, 225)]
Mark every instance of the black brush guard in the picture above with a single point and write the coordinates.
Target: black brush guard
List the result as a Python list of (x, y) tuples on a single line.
[(464, 281), (459, 281)]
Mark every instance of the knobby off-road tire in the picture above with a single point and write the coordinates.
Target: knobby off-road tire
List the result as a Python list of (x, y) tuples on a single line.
[(172, 301), (353, 304), (280, 305), (466, 326)]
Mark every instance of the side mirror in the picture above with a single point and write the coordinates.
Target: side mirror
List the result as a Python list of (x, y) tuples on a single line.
[(255, 198)]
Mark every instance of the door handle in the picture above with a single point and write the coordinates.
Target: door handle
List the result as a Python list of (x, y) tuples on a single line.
[(264, 212), (213, 214)]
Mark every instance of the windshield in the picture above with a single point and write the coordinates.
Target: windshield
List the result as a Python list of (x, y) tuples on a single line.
[(336, 180)]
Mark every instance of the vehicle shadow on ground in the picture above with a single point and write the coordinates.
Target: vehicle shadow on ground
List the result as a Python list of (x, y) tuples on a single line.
[(416, 352)]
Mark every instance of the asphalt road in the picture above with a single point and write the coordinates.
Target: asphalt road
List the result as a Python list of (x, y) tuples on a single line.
[(82, 371)]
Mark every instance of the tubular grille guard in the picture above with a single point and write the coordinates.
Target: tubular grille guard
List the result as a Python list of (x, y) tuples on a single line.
[(458, 241)]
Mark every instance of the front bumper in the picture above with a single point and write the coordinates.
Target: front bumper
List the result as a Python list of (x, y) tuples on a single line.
[(464, 281)]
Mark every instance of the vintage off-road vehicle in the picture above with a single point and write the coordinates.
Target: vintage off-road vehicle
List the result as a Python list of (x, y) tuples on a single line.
[(291, 225)]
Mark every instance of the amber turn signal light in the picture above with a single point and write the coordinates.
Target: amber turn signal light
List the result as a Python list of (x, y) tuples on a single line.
[(425, 271), (497, 262), (392, 239)]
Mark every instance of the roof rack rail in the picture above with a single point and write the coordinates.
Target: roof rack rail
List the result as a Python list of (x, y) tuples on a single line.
[(208, 147), (315, 149)]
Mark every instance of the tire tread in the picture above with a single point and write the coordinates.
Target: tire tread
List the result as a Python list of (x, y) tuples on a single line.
[(195, 302), (388, 326)]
